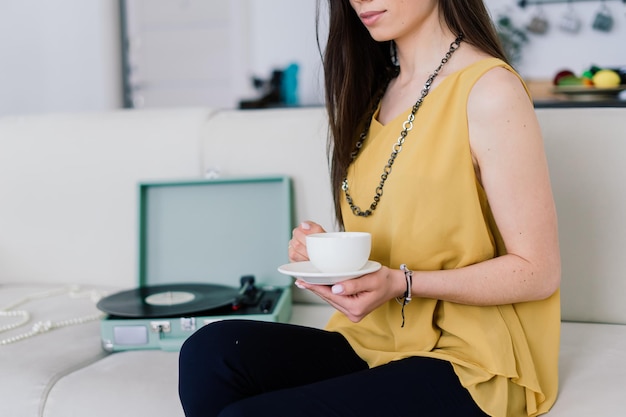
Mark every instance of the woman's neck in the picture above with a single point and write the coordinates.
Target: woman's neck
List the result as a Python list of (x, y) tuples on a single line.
[(420, 52)]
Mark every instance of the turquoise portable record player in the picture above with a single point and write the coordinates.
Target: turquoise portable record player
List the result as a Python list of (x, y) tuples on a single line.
[(208, 251)]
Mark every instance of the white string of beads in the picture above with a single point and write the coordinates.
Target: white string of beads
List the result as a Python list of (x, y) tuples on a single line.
[(44, 326)]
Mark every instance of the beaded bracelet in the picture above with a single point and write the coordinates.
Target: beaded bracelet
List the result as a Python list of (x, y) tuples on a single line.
[(406, 298)]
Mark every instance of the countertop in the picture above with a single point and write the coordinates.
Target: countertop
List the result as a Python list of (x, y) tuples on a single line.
[(544, 96)]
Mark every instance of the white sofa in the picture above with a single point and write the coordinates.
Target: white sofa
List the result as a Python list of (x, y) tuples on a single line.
[(68, 217)]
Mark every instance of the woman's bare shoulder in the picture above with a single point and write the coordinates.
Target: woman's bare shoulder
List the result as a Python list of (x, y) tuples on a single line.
[(500, 110), (499, 89)]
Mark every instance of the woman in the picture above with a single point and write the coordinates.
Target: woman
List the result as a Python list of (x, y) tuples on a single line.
[(436, 151)]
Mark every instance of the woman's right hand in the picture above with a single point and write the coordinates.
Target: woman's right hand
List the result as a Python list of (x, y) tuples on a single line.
[(297, 244)]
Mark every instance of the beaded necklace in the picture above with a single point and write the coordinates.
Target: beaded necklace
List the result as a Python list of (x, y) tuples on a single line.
[(397, 147)]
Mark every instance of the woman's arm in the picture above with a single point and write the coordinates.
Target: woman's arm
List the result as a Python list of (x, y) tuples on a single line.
[(507, 146)]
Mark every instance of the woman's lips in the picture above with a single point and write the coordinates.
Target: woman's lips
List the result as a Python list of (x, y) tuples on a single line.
[(369, 18)]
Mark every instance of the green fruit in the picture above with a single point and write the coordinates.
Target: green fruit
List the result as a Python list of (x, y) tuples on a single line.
[(570, 80), (594, 68)]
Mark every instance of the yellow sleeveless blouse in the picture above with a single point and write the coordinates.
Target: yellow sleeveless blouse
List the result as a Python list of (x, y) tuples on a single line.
[(434, 215)]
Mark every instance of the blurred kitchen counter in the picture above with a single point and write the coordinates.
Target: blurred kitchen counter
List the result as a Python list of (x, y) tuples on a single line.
[(542, 92)]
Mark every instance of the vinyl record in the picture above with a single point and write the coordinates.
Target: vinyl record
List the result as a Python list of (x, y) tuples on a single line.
[(167, 300)]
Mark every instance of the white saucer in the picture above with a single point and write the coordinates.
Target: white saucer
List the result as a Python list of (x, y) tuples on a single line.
[(308, 273)]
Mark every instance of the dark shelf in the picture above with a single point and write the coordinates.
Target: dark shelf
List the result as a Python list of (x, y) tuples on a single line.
[(578, 104)]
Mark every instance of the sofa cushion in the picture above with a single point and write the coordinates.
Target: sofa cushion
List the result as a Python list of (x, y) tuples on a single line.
[(68, 186), (124, 384), (32, 366), (288, 142), (592, 370), (586, 150), (137, 383)]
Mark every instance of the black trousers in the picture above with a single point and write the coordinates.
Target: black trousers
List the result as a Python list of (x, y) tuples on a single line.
[(260, 369)]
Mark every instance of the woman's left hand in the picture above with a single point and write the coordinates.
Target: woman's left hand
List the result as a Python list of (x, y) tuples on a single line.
[(358, 297)]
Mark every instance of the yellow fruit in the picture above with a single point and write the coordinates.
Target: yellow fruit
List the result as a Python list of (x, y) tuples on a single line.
[(606, 79)]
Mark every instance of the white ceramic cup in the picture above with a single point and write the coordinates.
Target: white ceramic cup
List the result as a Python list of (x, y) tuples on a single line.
[(339, 251)]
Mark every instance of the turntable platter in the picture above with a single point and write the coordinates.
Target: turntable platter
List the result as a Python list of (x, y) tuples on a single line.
[(167, 300)]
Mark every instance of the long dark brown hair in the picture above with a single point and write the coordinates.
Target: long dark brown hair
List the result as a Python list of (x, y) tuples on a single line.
[(357, 68)]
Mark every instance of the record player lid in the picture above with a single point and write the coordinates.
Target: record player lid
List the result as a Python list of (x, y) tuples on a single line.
[(214, 231)]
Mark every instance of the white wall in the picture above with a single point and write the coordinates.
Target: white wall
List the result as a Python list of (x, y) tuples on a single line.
[(63, 55), (60, 55)]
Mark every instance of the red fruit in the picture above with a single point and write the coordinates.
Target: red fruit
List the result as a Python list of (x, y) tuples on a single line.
[(562, 74)]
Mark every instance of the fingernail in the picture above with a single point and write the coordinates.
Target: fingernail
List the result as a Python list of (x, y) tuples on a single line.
[(337, 289), (305, 226), (299, 285)]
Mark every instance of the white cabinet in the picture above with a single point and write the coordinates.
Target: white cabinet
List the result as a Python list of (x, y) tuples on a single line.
[(185, 52)]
